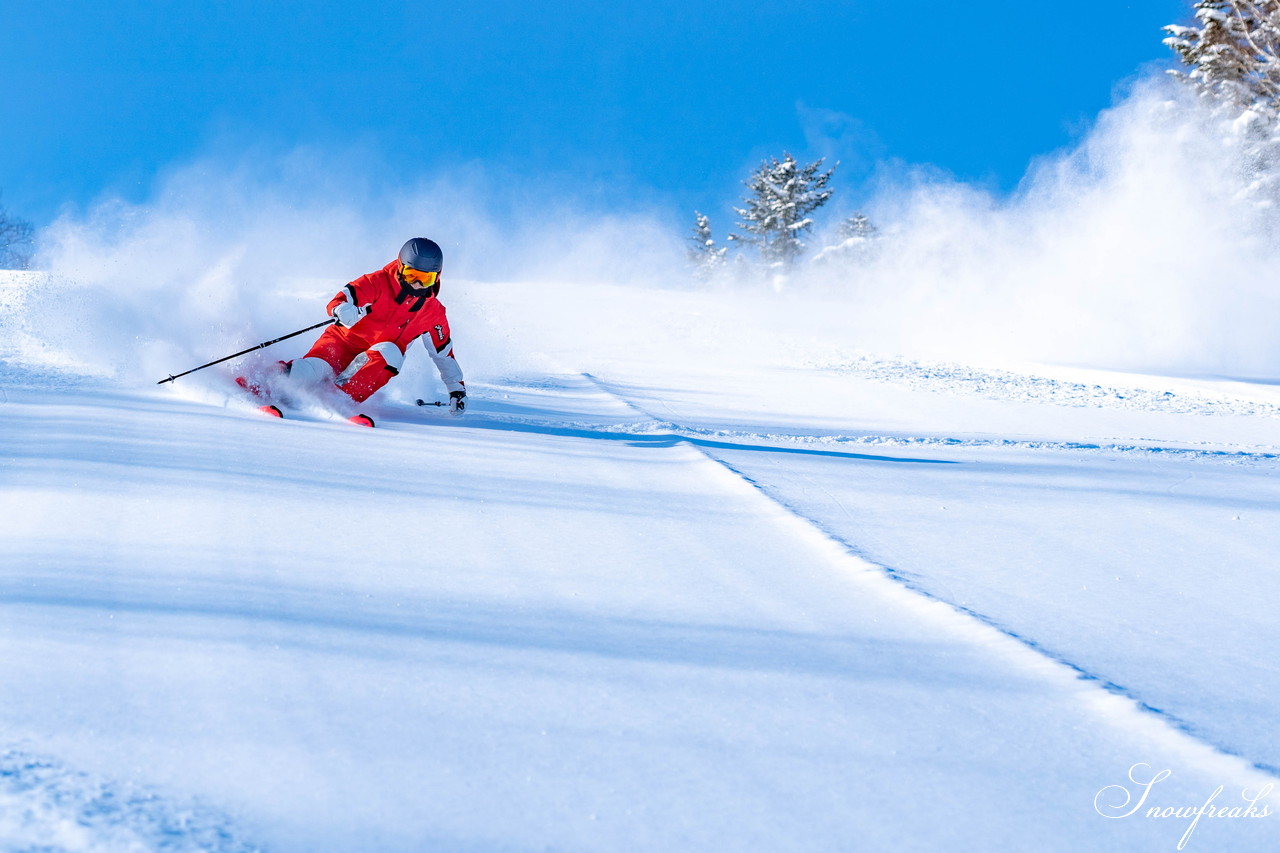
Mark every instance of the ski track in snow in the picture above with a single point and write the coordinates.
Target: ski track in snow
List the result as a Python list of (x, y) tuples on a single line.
[(1182, 735), (706, 437), (1005, 385), (960, 380)]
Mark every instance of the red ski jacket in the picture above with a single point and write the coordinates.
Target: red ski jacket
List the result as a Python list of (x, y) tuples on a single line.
[(399, 314), (392, 311)]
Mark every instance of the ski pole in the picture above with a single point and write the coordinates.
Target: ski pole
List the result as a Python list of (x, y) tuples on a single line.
[(247, 351), (432, 403)]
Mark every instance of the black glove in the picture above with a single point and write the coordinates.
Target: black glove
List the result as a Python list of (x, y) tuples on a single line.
[(457, 402)]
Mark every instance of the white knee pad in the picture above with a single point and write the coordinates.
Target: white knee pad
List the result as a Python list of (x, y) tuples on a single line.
[(311, 370), (390, 354)]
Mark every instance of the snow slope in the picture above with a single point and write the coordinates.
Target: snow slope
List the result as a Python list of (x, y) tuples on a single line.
[(694, 573)]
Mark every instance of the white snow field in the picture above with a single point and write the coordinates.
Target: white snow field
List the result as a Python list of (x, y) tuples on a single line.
[(695, 572)]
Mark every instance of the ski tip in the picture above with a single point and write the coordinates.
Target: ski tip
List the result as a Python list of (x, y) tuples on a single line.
[(273, 411), (252, 387), (361, 420)]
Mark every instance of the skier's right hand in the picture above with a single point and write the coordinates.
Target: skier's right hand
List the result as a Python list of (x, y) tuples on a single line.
[(346, 314)]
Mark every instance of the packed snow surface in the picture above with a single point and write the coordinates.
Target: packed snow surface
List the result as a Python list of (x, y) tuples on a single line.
[(694, 572)]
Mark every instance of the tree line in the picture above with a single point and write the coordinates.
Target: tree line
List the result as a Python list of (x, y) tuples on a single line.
[(1230, 55), (775, 220)]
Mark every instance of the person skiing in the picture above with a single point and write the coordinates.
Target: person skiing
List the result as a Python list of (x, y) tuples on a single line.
[(378, 316)]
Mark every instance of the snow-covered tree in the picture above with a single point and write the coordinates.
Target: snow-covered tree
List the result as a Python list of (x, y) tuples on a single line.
[(1233, 52), (1233, 58), (15, 241), (705, 256), (858, 227), (855, 240), (776, 217)]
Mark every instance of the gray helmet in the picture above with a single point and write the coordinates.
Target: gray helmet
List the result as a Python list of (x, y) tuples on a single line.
[(423, 255)]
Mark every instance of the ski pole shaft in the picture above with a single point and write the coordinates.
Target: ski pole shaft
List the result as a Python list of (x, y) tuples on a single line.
[(172, 377), (432, 403)]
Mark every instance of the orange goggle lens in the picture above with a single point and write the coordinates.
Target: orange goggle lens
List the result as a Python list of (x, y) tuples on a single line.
[(426, 279)]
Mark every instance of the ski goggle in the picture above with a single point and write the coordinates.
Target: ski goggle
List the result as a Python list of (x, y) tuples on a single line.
[(425, 279)]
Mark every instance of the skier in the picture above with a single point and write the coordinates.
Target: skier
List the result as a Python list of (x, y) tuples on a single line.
[(378, 315)]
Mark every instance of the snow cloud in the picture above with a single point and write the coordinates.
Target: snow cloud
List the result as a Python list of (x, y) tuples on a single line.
[(230, 253), (1137, 249)]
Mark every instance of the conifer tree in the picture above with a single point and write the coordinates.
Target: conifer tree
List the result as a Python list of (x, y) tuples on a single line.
[(776, 215), (1233, 58), (858, 227), (1234, 52), (15, 241), (856, 239), (705, 256)]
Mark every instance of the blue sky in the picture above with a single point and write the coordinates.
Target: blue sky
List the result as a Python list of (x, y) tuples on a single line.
[(663, 103)]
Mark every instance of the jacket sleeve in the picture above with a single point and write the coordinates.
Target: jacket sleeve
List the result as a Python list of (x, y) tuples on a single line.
[(439, 345), (358, 293)]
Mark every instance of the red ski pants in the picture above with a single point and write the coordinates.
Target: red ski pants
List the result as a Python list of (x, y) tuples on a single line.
[(361, 368)]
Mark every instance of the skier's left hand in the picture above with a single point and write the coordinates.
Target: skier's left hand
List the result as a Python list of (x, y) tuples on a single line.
[(457, 402)]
